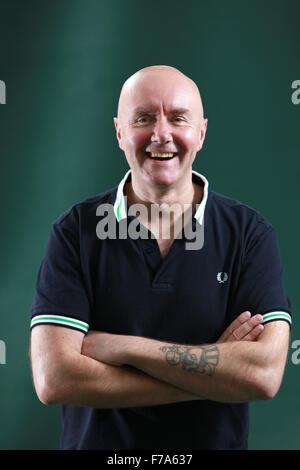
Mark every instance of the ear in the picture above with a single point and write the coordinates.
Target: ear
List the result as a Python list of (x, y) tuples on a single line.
[(118, 132), (202, 134)]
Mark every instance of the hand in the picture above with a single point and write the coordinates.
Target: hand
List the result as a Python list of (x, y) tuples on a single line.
[(243, 328), (104, 347)]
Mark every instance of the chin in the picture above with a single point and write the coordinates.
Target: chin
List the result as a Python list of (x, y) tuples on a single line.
[(161, 179)]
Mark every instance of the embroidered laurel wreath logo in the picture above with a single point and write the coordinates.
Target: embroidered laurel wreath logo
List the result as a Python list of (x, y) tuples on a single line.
[(222, 277)]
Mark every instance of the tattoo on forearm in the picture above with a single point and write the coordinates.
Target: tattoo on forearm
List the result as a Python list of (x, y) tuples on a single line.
[(203, 360)]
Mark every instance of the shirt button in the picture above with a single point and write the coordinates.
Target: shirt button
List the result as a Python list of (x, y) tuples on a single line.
[(149, 250)]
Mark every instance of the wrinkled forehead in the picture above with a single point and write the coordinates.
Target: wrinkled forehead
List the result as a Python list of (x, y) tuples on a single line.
[(168, 92)]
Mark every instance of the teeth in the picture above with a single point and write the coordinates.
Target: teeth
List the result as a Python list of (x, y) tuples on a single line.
[(162, 155)]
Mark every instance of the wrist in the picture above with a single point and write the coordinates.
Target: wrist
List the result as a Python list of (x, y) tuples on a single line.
[(126, 345)]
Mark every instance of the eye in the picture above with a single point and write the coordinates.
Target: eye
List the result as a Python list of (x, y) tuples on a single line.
[(178, 119), (143, 119)]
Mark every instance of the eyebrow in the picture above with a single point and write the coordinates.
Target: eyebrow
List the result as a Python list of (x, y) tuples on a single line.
[(181, 111), (140, 110)]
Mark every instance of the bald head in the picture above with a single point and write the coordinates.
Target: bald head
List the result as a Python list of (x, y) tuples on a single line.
[(159, 77), (160, 111)]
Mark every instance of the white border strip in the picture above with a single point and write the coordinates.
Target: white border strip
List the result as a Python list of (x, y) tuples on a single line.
[(199, 215), (60, 320), (119, 205), (277, 316)]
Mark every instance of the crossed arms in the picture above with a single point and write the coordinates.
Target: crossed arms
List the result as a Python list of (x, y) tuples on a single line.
[(105, 371)]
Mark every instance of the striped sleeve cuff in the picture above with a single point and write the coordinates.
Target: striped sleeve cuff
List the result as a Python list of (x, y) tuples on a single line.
[(60, 320), (271, 316)]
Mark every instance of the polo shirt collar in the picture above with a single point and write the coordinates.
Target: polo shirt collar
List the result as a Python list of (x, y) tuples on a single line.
[(120, 208)]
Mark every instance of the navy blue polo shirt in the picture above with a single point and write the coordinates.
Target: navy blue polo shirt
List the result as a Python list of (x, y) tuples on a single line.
[(124, 286)]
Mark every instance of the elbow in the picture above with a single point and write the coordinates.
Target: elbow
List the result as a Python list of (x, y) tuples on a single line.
[(269, 384), (47, 395), (48, 388)]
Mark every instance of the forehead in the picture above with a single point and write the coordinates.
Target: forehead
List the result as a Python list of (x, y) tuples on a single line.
[(169, 92)]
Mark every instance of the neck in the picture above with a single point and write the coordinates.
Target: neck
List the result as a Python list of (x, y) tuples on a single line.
[(166, 208), (187, 193)]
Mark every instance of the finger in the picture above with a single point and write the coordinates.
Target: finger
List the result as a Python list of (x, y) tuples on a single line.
[(247, 327), (254, 334), (242, 318)]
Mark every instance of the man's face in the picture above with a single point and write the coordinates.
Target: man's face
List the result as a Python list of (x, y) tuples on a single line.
[(160, 114)]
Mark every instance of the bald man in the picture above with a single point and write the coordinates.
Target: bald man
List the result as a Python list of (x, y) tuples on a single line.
[(167, 95), (145, 343)]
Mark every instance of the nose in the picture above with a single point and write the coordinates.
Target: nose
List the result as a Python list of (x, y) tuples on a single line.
[(161, 131)]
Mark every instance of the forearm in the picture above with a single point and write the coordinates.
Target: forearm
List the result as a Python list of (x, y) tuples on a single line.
[(227, 372), (82, 381)]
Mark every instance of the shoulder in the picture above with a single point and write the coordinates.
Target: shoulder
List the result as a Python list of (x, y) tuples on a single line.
[(226, 210), (82, 212)]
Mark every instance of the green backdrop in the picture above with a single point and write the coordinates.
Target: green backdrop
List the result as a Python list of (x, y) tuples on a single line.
[(63, 63)]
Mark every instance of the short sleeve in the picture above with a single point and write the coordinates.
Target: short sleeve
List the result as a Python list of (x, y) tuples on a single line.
[(261, 286), (60, 295)]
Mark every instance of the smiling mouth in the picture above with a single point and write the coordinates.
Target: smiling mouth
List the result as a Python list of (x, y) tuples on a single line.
[(161, 156)]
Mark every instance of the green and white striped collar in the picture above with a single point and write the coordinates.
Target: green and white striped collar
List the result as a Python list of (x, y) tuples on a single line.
[(120, 208)]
